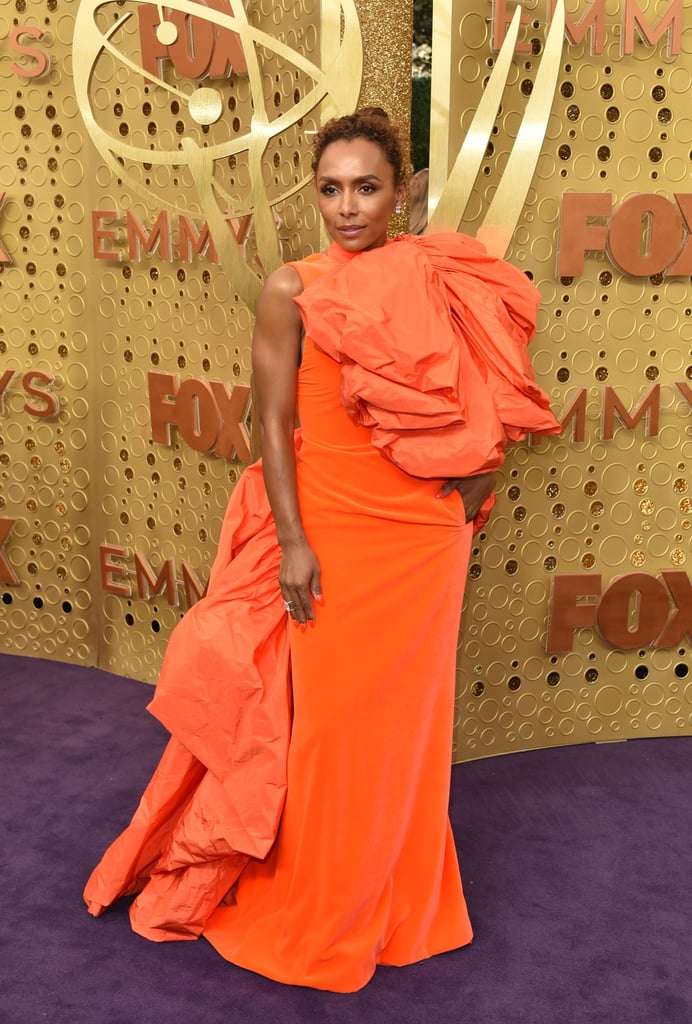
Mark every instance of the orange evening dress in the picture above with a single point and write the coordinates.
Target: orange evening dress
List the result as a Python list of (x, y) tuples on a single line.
[(413, 369), (364, 869)]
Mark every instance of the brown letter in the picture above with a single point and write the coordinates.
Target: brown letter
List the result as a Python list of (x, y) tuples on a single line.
[(149, 585), (137, 236), (633, 610), (577, 235), (233, 405), (7, 573), (163, 387), (228, 57), (52, 404), (109, 569), (42, 59), (4, 381), (645, 235), (4, 255), (240, 227), (194, 588), (680, 623), (195, 242), (575, 410), (501, 20), (192, 50), (99, 232), (670, 20), (682, 385), (153, 52), (568, 610), (198, 415), (683, 264), (650, 406), (593, 18)]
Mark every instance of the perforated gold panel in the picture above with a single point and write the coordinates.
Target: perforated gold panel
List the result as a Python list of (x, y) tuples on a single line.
[(149, 157), (155, 168), (611, 496)]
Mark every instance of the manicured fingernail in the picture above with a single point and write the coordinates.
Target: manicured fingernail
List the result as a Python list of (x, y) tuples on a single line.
[(439, 493), (319, 598), (311, 623)]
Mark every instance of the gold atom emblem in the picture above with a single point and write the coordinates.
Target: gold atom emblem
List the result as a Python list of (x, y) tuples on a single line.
[(220, 135)]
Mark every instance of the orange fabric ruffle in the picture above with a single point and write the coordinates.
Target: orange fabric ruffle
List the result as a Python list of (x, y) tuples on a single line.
[(443, 380), (224, 695)]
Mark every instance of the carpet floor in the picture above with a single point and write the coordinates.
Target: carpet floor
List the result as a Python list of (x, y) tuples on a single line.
[(577, 865)]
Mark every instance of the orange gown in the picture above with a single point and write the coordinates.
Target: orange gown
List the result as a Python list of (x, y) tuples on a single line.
[(362, 868)]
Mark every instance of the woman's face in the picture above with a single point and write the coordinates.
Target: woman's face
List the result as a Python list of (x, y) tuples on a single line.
[(356, 193)]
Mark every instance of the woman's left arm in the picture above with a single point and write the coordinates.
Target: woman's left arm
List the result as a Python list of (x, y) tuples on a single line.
[(474, 490)]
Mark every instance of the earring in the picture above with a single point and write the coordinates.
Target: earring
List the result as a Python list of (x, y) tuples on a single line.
[(397, 208)]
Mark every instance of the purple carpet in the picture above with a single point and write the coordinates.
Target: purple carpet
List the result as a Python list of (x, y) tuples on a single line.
[(576, 863)]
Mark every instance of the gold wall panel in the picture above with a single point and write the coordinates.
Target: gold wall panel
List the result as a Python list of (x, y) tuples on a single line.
[(125, 332), (124, 351), (616, 502)]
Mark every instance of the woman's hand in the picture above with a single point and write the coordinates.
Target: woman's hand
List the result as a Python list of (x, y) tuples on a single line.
[(473, 490), (299, 579)]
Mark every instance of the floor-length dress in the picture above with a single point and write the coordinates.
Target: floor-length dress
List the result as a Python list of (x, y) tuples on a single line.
[(364, 869), (413, 369)]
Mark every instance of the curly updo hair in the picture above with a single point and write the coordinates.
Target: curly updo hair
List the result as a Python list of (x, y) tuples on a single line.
[(371, 123)]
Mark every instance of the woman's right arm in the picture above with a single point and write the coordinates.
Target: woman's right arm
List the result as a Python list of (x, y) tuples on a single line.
[(275, 357)]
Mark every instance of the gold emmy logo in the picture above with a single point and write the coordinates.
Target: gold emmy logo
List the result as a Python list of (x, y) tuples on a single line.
[(224, 150), (449, 195), (221, 143)]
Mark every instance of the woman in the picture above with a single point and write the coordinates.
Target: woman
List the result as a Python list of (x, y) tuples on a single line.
[(378, 348)]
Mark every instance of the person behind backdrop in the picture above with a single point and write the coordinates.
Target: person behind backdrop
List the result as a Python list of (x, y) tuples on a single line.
[(404, 361)]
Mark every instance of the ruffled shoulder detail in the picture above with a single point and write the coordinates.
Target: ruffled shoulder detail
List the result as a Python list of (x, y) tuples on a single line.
[(431, 333)]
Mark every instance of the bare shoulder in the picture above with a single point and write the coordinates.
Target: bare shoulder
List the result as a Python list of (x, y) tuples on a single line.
[(282, 285), (276, 310)]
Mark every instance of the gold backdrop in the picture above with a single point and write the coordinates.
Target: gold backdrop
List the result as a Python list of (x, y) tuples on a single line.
[(151, 160), (592, 527), (125, 337)]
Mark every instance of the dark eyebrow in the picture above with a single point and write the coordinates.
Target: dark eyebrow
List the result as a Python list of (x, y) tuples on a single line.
[(358, 181)]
